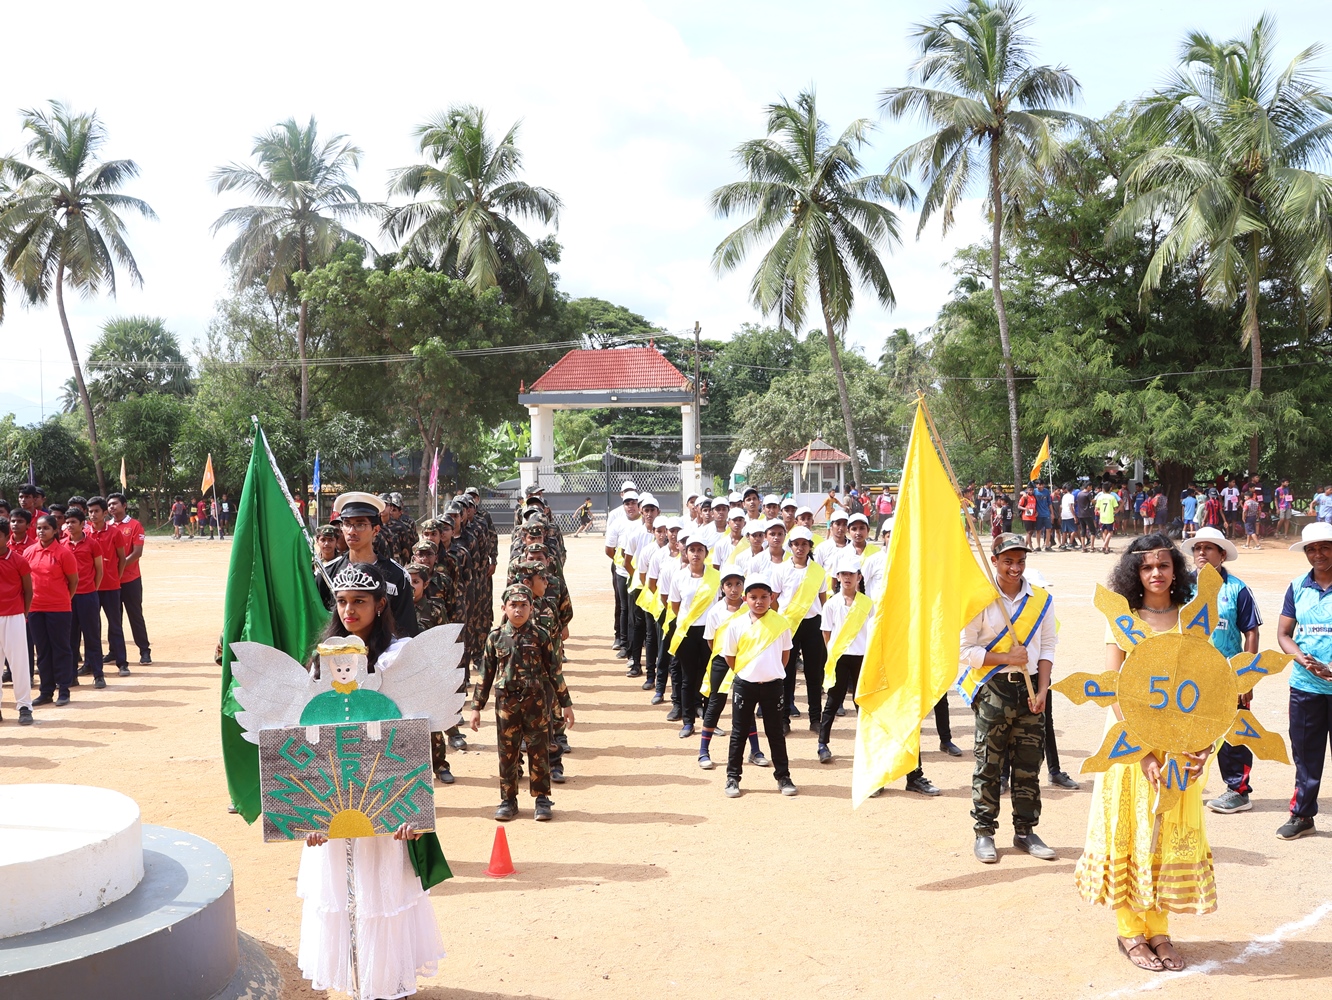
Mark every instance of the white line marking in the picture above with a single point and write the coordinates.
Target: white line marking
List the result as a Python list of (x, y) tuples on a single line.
[(1264, 945)]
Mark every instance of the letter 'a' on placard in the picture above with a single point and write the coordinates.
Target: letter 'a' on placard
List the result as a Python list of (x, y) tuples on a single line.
[(1117, 748), (1198, 617), (1246, 731), (357, 779)]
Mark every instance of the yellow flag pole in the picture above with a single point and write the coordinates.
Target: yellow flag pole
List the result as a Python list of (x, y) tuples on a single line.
[(972, 529)]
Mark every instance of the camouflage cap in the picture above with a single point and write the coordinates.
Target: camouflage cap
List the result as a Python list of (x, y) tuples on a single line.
[(429, 524), (530, 567), (535, 547), (424, 546), (419, 569), (327, 531), (516, 592), (535, 528), (472, 491)]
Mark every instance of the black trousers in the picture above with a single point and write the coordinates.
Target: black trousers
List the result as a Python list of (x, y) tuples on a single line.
[(848, 672), (55, 662), (716, 698), (807, 645), (693, 657), (1310, 732), (115, 626), (637, 634), (652, 645), (941, 721), (619, 585), (131, 599), (746, 696), (665, 664), (86, 623)]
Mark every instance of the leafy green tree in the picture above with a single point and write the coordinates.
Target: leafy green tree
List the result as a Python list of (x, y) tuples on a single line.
[(988, 105), (466, 225), (144, 428), (134, 356), (62, 223), (1235, 144), (825, 217), (304, 197), (61, 458), (605, 324)]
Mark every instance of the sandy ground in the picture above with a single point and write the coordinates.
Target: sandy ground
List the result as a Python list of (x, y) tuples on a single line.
[(651, 882)]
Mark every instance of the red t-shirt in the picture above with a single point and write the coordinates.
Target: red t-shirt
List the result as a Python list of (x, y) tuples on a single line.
[(132, 531), (112, 544), (1027, 507), (50, 566), (13, 568), (84, 553)]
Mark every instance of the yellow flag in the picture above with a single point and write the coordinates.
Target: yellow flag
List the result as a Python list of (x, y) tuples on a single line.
[(1041, 458), (124, 483), (208, 475), (933, 587)]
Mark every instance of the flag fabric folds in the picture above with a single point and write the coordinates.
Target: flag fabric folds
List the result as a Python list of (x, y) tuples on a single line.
[(208, 475), (434, 472), (270, 598), (124, 483), (934, 586), (1042, 457)]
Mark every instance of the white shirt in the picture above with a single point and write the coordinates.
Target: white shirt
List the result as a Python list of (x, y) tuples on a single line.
[(834, 613), (717, 614), (1231, 496), (683, 587), (722, 550), (792, 576), (707, 534), (825, 552), (746, 557), (664, 571), (1066, 506), (775, 572), (875, 572), (986, 626), (767, 665), (648, 558), (614, 517), (619, 533), (639, 544)]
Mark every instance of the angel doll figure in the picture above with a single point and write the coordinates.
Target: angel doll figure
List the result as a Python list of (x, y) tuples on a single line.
[(365, 673)]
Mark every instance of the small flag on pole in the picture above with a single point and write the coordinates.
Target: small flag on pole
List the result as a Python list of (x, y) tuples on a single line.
[(32, 473), (318, 480), (124, 483), (1042, 457), (208, 475), (434, 472), (804, 469)]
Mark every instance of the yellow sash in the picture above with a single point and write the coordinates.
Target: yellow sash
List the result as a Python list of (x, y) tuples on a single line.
[(716, 647), (839, 641), (1030, 613), (704, 598), (758, 637), (803, 599)]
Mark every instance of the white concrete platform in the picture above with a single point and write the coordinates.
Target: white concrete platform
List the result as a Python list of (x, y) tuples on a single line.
[(65, 851)]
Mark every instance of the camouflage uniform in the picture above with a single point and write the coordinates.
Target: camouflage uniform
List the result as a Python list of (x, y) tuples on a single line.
[(520, 664), (1006, 724), (546, 614)]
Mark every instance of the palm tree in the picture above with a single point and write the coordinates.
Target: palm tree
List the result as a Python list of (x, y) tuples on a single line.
[(304, 196), (1234, 144), (62, 222), (989, 112), (134, 356), (826, 222), (465, 226)]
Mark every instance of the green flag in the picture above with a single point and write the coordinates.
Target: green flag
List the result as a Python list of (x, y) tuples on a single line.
[(271, 598)]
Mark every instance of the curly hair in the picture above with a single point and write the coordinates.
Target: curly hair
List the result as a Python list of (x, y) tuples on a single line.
[(1126, 580)]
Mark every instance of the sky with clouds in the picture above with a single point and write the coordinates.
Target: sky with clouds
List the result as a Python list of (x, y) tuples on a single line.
[(630, 111)]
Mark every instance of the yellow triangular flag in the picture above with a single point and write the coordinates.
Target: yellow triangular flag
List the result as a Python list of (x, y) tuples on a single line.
[(208, 475), (933, 587), (124, 483), (1041, 458)]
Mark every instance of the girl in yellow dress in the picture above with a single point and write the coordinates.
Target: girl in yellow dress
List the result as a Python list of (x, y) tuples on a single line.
[(1142, 870)]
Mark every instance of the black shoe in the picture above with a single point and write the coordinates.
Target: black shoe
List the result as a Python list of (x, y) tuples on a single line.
[(542, 811), (1293, 829), (84, 672), (1034, 846), (786, 725), (813, 724), (63, 699), (795, 712), (649, 684), (825, 755), (686, 731), (75, 683), (457, 742), (841, 712), (1060, 779), (658, 698), (99, 683), (557, 774), (562, 742), (634, 672), (674, 715), (444, 775), (719, 732), (922, 785), (25, 717), (506, 810), (950, 748), (145, 659), (984, 850), (787, 787), (43, 699), (732, 788), (759, 760), (123, 671), (7, 676)]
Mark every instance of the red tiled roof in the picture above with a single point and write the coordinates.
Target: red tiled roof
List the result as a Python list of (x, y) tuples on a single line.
[(820, 451), (614, 368)]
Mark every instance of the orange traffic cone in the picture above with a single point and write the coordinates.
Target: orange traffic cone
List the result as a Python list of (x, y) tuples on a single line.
[(501, 865)]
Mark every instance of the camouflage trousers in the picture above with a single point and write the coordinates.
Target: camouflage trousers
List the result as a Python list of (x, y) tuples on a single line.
[(523, 715), (557, 728), (1005, 725)]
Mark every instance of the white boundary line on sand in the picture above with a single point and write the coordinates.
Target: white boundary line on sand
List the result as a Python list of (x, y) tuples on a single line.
[(1264, 945)]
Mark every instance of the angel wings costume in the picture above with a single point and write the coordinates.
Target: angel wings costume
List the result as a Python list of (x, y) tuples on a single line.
[(396, 935)]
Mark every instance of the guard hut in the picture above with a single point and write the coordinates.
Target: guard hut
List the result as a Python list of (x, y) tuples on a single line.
[(598, 379), (826, 469)]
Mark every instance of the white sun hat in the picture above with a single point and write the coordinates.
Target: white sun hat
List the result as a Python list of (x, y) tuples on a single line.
[(1319, 531), (1216, 538)]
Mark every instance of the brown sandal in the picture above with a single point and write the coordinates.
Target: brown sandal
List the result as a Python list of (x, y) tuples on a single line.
[(1172, 961), (1148, 961)]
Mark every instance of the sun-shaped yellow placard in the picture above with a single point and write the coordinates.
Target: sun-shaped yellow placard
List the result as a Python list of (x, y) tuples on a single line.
[(1176, 692)]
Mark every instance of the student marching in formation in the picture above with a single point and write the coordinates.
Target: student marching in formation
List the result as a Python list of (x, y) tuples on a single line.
[(661, 576), (805, 586), (756, 532), (731, 544), (1009, 721), (622, 524), (693, 592), (845, 625), (716, 683)]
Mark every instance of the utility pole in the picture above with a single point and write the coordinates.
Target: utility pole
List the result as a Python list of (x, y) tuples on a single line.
[(698, 424)]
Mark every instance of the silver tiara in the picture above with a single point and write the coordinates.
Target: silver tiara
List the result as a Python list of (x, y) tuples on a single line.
[(353, 577)]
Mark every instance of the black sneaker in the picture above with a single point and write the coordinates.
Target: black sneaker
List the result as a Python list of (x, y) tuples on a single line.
[(145, 659), (787, 787), (813, 724), (841, 712), (795, 712), (542, 813), (99, 683), (458, 742), (758, 760), (25, 717), (123, 671), (1061, 779), (922, 785), (557, 773), (657, 699), (83, 672), (950, 748), (444, 775), (732, 788), (43, 699), (63, 699), (563, 742), (649, 684), (674, 715), (634, 672), (7, 676), (825, 755), (1296, 827), (506, 810)]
